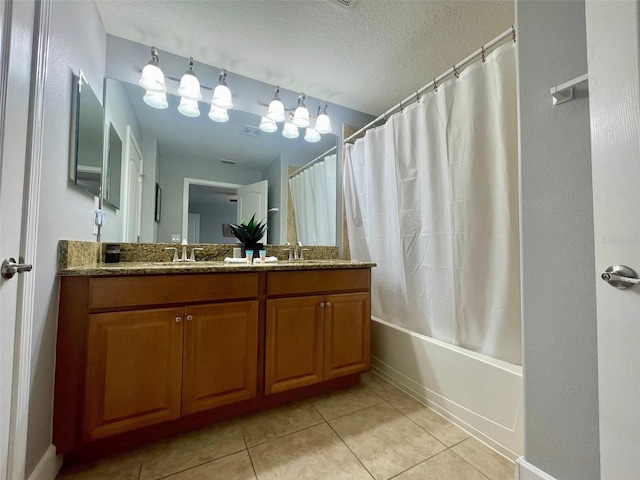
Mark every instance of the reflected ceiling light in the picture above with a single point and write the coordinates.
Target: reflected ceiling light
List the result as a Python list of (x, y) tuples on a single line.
[(276, 108), (323, 123), (311, 135), (218, 114), (301, 115), (188, 108), (156, 100), (152, 78), (267, 125), (290, 130), (189, 84), (222, 94)]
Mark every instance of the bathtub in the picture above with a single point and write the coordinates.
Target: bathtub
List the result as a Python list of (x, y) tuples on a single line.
[(480, 394)]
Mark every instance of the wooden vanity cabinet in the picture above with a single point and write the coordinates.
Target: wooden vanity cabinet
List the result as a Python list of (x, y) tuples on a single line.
[(314, 338)]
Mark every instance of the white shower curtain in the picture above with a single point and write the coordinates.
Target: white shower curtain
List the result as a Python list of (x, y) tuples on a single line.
[(432, 198), (314, 201)]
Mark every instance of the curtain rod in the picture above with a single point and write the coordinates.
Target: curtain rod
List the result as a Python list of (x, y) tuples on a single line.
[(434, 83), (319, 157)]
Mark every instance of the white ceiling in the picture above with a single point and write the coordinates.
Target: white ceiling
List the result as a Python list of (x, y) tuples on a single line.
[(367, 57)]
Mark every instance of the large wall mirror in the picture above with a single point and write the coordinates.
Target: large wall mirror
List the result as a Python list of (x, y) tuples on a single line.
[(86, 145), (199, 164)]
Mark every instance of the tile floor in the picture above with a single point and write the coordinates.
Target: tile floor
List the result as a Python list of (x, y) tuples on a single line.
[(369, 431)]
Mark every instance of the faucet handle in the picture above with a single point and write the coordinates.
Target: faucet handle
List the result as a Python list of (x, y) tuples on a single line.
[(302, 250), (175, 253), (192, 258), (290, 252)]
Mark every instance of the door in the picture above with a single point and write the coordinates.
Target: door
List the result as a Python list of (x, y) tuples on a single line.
[(220, 355), (132, 207), (613, 33), (134, 370), (253, 199), (16, 34), (193, 235), (346, 334), (293, 343)]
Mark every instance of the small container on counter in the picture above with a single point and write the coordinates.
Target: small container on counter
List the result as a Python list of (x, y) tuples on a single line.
[(112, 253)]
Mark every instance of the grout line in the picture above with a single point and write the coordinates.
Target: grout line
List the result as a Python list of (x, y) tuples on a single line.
[(352, 452), (197, 465), (469, 463), (419, 463), (255, 474)]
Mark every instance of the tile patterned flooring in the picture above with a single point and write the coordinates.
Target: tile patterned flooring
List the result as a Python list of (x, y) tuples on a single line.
[(372, 431)]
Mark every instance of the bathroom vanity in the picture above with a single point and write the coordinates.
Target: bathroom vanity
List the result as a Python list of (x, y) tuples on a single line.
[(147, 350)]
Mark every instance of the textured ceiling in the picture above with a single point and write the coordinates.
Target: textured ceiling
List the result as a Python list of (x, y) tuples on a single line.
[(366, 57)]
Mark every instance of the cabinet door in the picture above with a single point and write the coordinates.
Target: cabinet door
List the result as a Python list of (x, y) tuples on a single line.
[(220, 355), (134, 363), (293, 343), (347, 347)]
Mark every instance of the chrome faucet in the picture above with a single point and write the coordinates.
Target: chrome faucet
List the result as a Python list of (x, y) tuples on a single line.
[(185, 257), (299, 254), (290, 250)]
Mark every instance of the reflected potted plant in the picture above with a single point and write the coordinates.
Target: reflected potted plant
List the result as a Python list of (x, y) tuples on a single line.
[(250, 234)]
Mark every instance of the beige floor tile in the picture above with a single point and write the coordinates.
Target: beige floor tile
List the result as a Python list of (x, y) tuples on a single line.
[(435, 424), (385, 440), (314, 453), (346, 401), (492, 464), (192, 449), (277, 422), (234, 467), (380, 386), (124, 466), (444, 466)]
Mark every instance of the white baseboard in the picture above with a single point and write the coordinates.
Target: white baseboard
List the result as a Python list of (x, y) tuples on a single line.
[(48, 466), (526, 471)]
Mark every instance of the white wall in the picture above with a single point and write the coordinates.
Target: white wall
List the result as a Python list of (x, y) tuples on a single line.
[(273, 174), (148, 226), (173, 171), (211, 219), (77, 41), (559, 316)]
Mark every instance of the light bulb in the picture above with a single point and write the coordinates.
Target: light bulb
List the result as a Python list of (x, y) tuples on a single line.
[(156, 100), (323, 124), (189, 84), (152, 78), (188, 108), (267, 125), (276, 108), (218, 114), (222, 94), (301, 115), (311, 135), (290, 130)]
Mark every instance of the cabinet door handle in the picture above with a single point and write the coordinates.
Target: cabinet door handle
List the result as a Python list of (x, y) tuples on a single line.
[(178, 319), (189, 318), (322, 304), (328, 304)]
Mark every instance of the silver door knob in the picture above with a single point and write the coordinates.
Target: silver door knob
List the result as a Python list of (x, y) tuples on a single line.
[(10, 267), (189, 318), (620, 276)]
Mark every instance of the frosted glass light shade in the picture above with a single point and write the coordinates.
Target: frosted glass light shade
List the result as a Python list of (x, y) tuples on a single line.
[(222, 97), (323, 124), (188, 108), (218, 114), (189, 87), (290, 130), (276, 111), (156, 100), (267, 125), (311, 135), (301, 117), (152, 79)]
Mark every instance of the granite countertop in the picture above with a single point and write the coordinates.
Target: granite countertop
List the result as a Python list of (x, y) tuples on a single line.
[(163, 268)]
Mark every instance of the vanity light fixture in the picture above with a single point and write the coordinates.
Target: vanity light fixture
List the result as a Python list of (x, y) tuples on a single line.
[(152, 78), (218, 114), (276, 108), (188, 108), (267, 125), (311, 135), (222, 94), (323, 123), (156, 100), (290, 130), (301, 115), (189, 84)]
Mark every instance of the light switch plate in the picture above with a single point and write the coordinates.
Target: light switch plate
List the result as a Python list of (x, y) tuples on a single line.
[(175, 238)]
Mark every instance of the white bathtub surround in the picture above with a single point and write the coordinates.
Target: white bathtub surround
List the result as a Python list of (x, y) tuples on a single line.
[(481, 395), (432, 198)]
